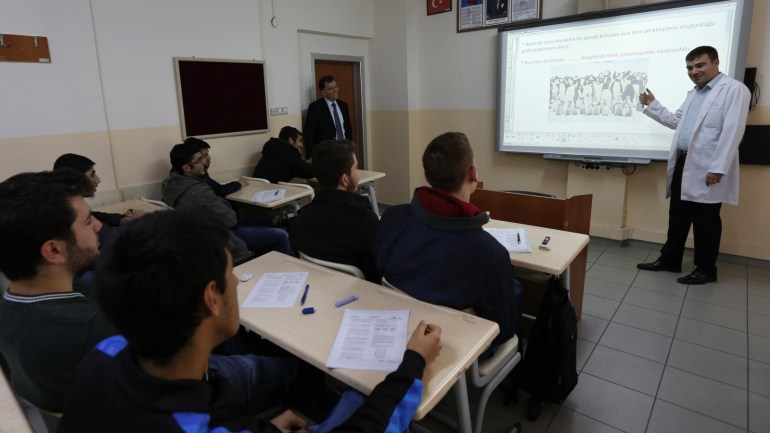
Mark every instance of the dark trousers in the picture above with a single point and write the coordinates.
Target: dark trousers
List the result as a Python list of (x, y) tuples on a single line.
[(705, 221)]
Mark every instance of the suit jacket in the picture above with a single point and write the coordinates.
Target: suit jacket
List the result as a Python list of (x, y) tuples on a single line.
[(713, 146), (319, 124)]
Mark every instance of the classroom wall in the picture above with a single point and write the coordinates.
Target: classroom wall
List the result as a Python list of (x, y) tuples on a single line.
[(109, 93)]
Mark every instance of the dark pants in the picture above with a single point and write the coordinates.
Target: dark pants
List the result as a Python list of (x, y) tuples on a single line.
[(705, 221)]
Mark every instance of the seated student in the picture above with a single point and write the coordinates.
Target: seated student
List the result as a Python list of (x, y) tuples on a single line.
[(186, 189), (86, 166), (153, 377), (219, 189), (435, 248), (339, 226), (46, 326), (282, 158)]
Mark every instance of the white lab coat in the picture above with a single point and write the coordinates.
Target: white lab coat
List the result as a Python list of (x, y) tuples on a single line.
[(717, 132)]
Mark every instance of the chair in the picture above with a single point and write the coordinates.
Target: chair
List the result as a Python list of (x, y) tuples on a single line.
[(301, 185), (486, 375), (347, 269), (160, 203), (255, 179), (20, 416)]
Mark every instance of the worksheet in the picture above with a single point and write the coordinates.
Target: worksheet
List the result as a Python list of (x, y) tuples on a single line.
[(276, 290), (269, 195), (514, 240), (370, 340)]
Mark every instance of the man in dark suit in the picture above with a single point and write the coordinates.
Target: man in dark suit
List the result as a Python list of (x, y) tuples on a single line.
[(327, 118)]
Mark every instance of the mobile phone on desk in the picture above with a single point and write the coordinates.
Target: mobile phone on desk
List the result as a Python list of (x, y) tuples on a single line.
[(544, 245)]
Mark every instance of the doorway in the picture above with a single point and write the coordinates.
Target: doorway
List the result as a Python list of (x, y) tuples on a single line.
[(348, 74)]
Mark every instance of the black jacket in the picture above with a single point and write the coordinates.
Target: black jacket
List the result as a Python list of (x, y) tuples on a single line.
[(319, 124), (281, 162)]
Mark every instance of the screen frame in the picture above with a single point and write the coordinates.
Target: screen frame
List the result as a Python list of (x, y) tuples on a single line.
[(185, 90), (736, 62)]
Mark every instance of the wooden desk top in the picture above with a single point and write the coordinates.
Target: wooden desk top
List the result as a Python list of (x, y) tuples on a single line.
[(123, 206), (565, 246), (369, 176), (310, 337), (245, 194)]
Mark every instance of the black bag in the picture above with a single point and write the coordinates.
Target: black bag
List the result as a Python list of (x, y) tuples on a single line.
[(548, 371)]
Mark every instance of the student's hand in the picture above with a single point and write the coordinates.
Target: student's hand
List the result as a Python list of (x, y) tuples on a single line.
[(646, 97), (290, 422), (131, 215), (426, 340), (713, 178)]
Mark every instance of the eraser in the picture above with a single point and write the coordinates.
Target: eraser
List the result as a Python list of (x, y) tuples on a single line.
[(544, 247), (308, 310)]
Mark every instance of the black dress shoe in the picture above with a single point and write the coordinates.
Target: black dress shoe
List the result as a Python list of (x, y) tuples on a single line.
[(697, 277), (658, 265)]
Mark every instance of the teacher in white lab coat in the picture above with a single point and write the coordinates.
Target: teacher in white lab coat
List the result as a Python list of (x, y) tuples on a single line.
[(702, 163)]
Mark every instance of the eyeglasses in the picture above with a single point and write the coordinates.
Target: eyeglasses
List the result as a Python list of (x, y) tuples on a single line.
[(200, 160), (331, 89)]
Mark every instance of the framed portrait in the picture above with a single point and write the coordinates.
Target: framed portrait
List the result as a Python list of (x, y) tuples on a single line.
[(439, 6), (482, 14)]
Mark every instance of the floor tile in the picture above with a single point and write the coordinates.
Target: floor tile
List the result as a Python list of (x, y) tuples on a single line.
[(591, 328), (759, 413), (569, 421), (713, 336), (756, 273), (759, 288), (759, 324), (669, 418), (740, 270), (584, 349), (500, 417), (715, 314), (718, 296), (612, 404), (615, 366), (618, 261), (730, 282), (759, 378), (759, 348), (636, 342), (605, 289), (640, 253), (599, 307), (713, 364), (759, 263), (610, 273), (647, 319), (654, 300), (730, 258), (705, 396), (660, 282), (759, 305)]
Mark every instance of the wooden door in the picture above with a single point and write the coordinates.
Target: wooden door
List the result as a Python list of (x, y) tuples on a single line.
[(348, 77)]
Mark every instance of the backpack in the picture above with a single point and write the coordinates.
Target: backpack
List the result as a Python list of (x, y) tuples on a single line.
[(548, 371)]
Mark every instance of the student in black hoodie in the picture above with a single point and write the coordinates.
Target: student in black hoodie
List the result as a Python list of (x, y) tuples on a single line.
[(282, 158)]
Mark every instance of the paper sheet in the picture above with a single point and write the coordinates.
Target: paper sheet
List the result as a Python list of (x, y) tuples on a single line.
[(370, 340), (514, 240), (276, 290), (268, 195)]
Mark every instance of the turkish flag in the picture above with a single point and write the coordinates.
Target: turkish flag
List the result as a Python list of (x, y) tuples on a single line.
[(436, 6)]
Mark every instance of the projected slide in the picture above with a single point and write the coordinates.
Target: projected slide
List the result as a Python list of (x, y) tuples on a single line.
[(576, 85)]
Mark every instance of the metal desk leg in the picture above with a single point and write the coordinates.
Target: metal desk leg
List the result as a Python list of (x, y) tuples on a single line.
[(565, 278), (460, 390), (372, 197)]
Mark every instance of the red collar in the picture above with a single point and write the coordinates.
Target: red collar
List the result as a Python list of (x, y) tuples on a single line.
[(442, 203)]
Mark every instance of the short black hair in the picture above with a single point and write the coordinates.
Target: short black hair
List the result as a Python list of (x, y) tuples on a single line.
[(182, 154), (150, 282), (198, 142), (325, 79), (332, 159), (447, 161), (35, 208), (288, 132), (699, 51), (74, 161)]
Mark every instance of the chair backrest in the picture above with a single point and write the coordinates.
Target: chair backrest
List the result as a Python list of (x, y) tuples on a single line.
[(256, 179), (301, 185), (347, 269)]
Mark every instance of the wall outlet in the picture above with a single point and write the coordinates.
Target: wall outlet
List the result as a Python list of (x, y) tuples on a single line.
[(274, 111)]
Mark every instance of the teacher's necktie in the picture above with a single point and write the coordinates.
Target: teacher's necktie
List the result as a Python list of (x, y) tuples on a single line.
[(337, 123)]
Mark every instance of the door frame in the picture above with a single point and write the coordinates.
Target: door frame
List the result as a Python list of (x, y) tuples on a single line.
[(359, 104)]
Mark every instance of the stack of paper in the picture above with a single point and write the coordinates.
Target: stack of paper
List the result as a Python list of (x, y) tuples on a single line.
[(514, 240)]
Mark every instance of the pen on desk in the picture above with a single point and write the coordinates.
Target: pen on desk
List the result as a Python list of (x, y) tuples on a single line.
[(345, 301), (304, 295), (518, 238), (276, 192)]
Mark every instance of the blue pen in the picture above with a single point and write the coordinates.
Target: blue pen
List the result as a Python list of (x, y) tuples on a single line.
[(345, 301), (304, 295)]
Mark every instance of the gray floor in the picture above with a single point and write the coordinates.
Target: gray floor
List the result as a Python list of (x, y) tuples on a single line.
[(656, 356)]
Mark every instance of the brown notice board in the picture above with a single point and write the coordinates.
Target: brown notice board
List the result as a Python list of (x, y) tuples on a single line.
[(21, 48)]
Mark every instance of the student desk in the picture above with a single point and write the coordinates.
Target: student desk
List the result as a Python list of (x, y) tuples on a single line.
[(366, 182), (310, 337), (123, 206), (293, 194)]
